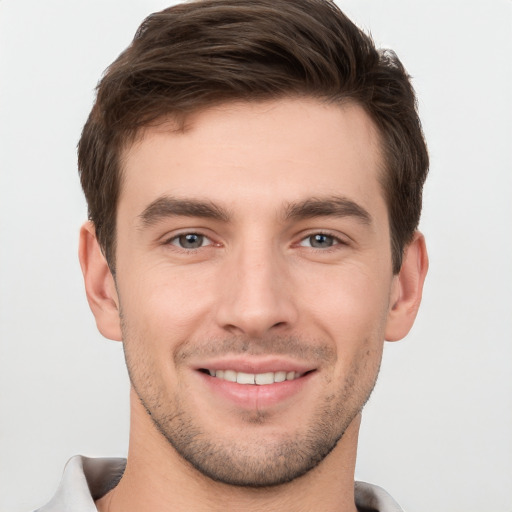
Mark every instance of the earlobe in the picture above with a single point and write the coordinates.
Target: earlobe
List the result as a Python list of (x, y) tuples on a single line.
[(407, 289), (99, 284)]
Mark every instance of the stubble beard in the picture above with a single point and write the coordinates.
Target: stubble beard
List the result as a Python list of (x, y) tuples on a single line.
[(257, 461)]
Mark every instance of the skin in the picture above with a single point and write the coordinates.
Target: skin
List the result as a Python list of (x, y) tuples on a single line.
[(293, 270)]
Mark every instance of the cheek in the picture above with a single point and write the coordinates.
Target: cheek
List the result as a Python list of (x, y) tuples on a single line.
[(351, 311), (351, 303), (164, 303)]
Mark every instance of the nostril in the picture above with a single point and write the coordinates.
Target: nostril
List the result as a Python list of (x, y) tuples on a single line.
[(233, 329)]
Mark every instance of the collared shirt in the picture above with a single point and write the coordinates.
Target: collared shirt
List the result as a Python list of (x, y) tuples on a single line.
[(85, 480)]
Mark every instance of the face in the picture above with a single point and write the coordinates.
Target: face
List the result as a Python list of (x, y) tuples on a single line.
[(254, 283)]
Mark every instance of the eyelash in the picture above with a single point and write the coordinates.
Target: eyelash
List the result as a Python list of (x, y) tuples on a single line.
[(176, 238), (337, 241)]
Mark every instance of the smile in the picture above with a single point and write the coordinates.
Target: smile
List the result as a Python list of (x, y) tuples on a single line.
[(260, 379)]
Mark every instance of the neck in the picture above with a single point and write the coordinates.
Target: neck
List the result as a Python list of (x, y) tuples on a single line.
[(158, 479)]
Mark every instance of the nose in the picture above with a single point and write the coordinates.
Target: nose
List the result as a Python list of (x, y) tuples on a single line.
[(256, 293)]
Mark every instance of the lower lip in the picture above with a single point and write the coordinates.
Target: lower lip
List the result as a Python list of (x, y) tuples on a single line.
[(253, 396)]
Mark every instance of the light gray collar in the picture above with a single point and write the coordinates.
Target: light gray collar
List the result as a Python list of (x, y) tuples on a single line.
[(85, 480)]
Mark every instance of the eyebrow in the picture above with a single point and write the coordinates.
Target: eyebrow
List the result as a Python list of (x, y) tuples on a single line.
[(333, 206), (165, 207)]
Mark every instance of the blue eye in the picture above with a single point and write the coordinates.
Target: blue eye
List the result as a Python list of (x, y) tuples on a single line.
[(190, 241), (319, 241)]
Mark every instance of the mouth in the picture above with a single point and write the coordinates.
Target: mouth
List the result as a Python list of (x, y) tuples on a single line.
[(255, 385), (258, 379)]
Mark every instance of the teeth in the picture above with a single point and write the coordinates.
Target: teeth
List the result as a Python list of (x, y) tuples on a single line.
[(264, 378), (230, 375), (261, 379), (245, 378), (279, 376)]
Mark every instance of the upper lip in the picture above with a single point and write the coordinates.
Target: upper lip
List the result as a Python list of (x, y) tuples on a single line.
[(254, 365)]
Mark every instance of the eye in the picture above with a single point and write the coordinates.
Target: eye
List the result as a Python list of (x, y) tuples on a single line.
[(190, 241), (319, 241)]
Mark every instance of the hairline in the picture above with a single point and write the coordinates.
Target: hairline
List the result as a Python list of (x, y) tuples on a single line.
[(179, 120)]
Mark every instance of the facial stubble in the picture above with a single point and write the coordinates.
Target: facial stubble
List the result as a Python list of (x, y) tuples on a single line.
[(256, 460)]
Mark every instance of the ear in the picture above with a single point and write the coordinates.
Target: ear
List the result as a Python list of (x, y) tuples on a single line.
[(407, 289), (99, 284)]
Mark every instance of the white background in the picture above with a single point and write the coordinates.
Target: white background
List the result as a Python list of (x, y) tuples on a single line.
[(437, 433)]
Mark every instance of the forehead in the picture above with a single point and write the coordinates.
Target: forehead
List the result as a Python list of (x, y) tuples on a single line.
[(257, 155)]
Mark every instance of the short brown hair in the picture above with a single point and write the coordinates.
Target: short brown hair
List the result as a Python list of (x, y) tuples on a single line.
[(206, 52)]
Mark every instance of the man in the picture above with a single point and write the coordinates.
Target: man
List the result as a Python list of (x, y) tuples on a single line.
[(253, 172)]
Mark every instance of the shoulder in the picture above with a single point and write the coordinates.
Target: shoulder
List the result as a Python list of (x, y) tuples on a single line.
[(85, 480), (373, 498)]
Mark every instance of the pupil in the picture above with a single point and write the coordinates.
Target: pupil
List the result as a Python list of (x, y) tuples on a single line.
[(321, 241), (191, 241)]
